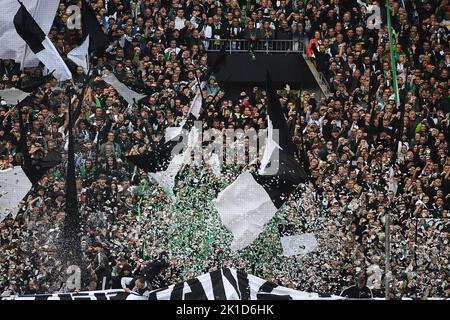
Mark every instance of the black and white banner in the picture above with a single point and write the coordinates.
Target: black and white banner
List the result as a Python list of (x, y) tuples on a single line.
[(30, 31), (230, 284), (13, 46), (118, 294), (223, 284)]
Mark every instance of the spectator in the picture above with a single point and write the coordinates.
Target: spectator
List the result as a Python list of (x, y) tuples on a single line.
[(358, 291), (100, 268)]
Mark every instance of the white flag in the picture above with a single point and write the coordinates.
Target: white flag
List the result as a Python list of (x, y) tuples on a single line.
[(14, 185), (196, 104), (122, 89), (80, 55), (13, 95), (298, 244), (244, 208), (172, 132)]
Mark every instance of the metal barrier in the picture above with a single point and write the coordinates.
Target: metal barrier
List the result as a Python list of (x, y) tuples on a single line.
[(325, 81), (258, 46)]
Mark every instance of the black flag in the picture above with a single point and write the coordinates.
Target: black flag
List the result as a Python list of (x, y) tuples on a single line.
[(94, 40), (72, 222), (161, 153), (35, 169), (276, 116), (156, 159), (98, 41), (30, 84)]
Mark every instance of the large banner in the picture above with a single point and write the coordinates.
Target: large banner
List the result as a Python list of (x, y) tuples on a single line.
[(230, 284), (223, 284)]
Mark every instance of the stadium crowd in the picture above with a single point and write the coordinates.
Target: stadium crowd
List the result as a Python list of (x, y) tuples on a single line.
[(132, 228)]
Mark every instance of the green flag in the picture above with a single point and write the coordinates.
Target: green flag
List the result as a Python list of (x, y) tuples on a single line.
[(139, 211), (144, 249), (392, 55)]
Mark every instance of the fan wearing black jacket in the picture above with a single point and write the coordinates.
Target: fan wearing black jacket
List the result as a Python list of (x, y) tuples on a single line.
[(358, 291)]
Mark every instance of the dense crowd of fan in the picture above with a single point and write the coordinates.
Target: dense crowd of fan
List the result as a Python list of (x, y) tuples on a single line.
[(132, 228)]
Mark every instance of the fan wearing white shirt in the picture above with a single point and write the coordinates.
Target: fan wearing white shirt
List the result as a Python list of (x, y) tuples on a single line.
[(180, 19)]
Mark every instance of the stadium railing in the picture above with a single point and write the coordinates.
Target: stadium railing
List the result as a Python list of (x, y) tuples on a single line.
[(259, 46)]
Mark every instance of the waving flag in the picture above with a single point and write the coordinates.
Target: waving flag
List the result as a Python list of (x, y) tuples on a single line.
[(166, 158), (94, 40), (13, 95), (157, 159), (129, 95), (80, 55), (35, 169), (166, 178), (13, 46), (14, 185), (196, 103), (30, 84), (28, 29), (300, 244), (252, 199)]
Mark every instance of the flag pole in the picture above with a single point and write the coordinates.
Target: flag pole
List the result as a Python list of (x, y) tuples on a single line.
[(397, 103), (387, 274), (303, 156), (72, 223), (77, 111), (26, 46), (199, 85), (23, 138)]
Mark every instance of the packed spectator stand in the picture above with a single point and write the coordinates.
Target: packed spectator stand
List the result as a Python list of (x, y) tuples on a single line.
[(130, 227)]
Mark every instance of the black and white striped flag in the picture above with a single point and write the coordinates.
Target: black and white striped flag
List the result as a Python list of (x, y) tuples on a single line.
[(40, 44), (119, 294), (222, 284), (230, 284)]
